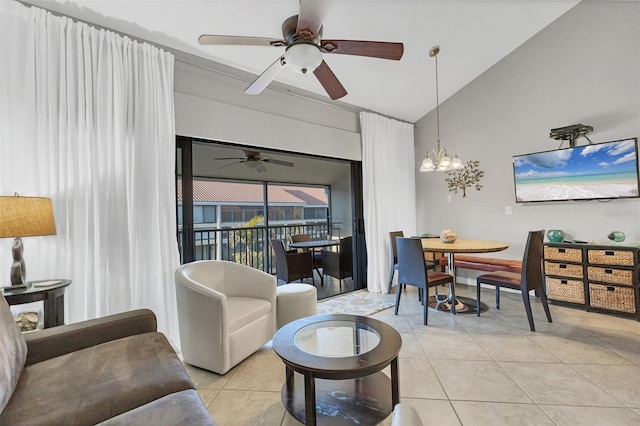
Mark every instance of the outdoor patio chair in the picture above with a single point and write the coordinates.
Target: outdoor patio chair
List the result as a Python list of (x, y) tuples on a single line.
[(317, 256), (292, 265), (339, 264)]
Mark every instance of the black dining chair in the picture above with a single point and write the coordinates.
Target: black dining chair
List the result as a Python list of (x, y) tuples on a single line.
[(339, 264), (531, 278), (290, 264), (414, 270), (393, 257)]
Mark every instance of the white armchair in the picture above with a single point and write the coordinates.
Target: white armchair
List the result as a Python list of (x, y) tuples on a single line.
[(226, 312)]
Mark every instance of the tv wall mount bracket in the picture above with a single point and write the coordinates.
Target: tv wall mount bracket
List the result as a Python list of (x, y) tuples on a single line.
[(571, 133)]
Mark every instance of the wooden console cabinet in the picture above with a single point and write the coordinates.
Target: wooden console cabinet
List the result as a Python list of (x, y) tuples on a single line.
[(595, 276)]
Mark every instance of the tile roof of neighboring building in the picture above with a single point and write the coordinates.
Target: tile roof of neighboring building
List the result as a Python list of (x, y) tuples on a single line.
[(216, 191)]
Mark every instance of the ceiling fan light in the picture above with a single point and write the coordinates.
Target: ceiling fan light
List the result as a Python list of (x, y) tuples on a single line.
[(303, 57), (252, 164)]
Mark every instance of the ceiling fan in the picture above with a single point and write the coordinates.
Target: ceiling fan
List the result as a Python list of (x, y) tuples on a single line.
[(254, 160), (304, 47)]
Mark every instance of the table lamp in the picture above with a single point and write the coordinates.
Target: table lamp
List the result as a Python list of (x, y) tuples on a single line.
[(24, 217)]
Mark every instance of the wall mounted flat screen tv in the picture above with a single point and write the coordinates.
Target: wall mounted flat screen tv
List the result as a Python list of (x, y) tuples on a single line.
[(598, 171)]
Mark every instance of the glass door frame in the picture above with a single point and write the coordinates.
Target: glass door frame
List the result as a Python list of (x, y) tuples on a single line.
[(184, 163)]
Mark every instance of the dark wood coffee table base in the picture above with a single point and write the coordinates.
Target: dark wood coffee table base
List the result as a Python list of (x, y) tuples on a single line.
[(365, 400)]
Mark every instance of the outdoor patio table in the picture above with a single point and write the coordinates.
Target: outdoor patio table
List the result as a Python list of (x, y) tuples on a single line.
[(312, 245)]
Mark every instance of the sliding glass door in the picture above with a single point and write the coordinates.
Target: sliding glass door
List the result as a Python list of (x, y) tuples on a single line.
[(231, 218)]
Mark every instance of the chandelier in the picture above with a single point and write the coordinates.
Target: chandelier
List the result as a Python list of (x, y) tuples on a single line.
[(439, 159)]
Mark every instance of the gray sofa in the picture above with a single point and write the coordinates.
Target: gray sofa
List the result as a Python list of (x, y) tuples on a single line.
[(112, 370)]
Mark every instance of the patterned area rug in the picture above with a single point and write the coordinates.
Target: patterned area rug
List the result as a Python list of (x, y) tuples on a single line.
[(360, 302)]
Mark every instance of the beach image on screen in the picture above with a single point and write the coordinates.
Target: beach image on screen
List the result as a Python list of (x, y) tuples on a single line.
[(606, 170)]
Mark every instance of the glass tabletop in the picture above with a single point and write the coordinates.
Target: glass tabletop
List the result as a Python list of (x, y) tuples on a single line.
[(336, 339)]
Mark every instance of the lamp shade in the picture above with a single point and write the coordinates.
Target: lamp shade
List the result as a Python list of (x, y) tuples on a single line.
[(26, 217)]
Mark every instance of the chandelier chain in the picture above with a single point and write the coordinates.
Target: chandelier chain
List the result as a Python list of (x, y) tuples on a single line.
[(439, 159), (435, 56)]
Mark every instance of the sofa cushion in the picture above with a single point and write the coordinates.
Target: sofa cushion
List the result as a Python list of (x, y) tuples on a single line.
[(97, 383), (13, 353), (180, 408), (245, 310)]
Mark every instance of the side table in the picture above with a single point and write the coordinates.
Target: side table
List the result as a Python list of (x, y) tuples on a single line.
[(52, 296)]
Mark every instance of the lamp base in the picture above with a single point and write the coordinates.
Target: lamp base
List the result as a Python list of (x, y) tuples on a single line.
[(18, 270)]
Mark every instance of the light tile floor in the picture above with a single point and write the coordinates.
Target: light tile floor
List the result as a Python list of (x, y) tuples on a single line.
[(582, 369)]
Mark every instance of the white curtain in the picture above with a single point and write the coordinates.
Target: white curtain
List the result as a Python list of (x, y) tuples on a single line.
[(86, 118), (388, 167)]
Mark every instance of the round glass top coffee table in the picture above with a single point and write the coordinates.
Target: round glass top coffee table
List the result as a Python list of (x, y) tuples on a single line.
[(333, 369)]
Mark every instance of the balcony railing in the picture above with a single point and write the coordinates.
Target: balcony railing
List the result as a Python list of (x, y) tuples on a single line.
[(249, 246)]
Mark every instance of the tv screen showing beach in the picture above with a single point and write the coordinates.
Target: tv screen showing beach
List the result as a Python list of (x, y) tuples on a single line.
[(596, 171)]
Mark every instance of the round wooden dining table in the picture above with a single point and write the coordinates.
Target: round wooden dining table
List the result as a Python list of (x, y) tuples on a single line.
[(461, 245)]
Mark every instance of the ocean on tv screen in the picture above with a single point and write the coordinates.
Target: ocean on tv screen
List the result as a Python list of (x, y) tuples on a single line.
[(596, 171)]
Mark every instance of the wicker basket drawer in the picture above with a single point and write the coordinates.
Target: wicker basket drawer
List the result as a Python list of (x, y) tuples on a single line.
[(610, 275), (611, 257), (565, 290), (563, 269), (615, 298), (561, 253)]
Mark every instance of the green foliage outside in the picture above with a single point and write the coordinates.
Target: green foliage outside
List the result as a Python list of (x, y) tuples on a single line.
[(247, 243)]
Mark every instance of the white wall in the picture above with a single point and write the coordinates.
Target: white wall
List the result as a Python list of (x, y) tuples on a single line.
[(583, 68), (213, 106)]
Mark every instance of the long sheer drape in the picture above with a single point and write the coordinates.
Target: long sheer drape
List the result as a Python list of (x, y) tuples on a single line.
[(388, 165), (86, 118)]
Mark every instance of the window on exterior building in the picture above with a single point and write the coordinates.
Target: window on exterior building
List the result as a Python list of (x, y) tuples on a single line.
[(227, 213), (209, 214), (197, 214), (315, 213), (249, 213)]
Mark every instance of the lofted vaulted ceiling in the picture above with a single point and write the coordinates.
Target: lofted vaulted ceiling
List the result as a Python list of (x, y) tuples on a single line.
[(473, 35)]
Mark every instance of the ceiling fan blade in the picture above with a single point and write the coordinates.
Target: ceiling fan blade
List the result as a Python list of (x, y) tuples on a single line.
[(261, 168), (230, 164), (373, 49), (228, 158), (312, 13), (266, 77), (278, 162), (209, 39), (329, 81)]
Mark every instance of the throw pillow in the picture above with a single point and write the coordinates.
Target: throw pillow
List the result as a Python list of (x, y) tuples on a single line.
[(13, 353)]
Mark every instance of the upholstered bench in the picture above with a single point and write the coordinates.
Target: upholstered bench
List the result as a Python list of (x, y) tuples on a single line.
[(490, 264), (295, 301)]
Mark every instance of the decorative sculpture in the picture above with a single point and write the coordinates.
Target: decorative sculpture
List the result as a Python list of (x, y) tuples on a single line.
[(464, 178)]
